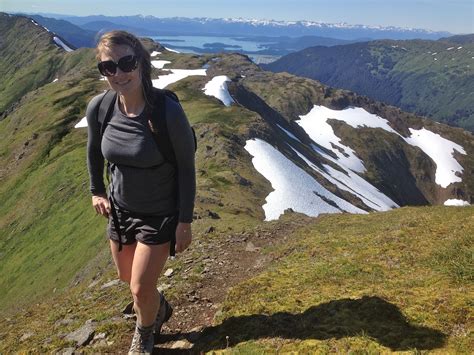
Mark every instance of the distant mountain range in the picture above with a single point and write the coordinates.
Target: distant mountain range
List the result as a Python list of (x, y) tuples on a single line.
[(430, 78), (150, 25)]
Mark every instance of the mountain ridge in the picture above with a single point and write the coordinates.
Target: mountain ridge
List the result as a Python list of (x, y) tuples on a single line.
[(181, 25)]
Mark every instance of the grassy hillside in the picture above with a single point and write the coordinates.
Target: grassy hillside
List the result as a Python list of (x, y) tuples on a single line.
[(395, 281), (29, 58), (430, 78)]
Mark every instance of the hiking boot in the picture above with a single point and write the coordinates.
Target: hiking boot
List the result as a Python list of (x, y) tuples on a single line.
[(164, 313), (143, 341)]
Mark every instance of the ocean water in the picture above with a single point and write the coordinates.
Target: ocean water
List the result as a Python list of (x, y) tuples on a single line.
[(230, 43), (196, 44)]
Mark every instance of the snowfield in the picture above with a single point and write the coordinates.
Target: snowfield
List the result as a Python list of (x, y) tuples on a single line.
[(439, 149), (61, 44), (293, 187), (217, 87), (455, 202), (159, 64), (176, 75)]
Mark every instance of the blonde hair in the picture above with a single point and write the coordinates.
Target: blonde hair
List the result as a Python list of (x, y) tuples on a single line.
[(118, 38)]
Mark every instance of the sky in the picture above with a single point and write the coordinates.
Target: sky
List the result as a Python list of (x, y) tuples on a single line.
[(455, 16)]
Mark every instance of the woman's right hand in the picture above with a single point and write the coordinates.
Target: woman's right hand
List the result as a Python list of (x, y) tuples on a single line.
[(101, 204)]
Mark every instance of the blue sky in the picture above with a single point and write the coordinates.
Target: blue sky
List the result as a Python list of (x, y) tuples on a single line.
[(456, 16)]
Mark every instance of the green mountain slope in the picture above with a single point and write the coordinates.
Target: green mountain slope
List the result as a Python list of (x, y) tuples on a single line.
[(394, 281), (29, 58), (430, 78), (75, 35)]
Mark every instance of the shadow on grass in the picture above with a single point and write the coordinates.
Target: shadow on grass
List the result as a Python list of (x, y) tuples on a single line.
[(369, 316)]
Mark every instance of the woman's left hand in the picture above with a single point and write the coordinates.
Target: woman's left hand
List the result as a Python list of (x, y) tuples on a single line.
[(183, 236)]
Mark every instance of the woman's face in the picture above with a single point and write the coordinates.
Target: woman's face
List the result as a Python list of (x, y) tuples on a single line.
[(123, 83)]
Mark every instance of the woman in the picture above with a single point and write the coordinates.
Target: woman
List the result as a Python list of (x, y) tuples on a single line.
[(145, 211)]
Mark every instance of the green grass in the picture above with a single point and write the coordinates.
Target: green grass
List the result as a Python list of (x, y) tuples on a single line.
[(371, 283), (358, 284)]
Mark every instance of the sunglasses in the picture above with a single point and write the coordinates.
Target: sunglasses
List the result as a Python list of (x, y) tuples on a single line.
[(126, 64)]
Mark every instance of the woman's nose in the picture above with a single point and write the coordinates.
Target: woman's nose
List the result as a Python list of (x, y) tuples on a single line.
[(118, 72)]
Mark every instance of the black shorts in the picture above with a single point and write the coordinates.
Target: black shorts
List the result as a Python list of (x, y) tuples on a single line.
[(147, 229)]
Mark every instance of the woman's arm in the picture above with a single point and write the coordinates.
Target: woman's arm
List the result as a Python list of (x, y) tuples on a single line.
[(182, 139), (95, 159)]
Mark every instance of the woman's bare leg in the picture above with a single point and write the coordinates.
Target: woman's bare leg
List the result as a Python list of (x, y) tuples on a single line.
[(123, 259), (148, 262)]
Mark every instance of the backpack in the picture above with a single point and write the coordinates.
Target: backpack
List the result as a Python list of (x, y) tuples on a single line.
[(159, 128)]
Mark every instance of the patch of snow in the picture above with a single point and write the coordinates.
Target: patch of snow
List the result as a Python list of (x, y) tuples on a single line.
[(176, 75), (441, 150), (55, 80), (315, 123), (217, 87), (459, 47), (82, 123), (289, 133), (454, 202), (171, 50), (61, 44), (434, 53), (354, 184), (293, 187), (154, 53), (448, 49), (159, 64)]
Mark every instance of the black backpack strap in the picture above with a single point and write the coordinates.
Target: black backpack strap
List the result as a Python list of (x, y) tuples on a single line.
[(159, 125), (106, 108)]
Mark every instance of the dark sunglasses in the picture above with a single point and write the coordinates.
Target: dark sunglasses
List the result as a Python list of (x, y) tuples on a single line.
[(126, 64)]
